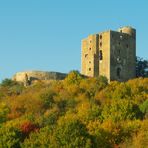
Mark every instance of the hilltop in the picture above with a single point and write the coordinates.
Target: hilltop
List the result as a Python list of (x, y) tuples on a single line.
[(74, 112)]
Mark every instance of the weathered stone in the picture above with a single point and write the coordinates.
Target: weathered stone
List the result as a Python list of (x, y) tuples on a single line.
[(111, 54), (29, 76)]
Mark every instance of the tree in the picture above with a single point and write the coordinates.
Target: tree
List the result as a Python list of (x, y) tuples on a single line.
[(27, 127), (144, 108), (42, 138), (10, 87), (4, 110), (141, 67), (47, 99), (72, 133), (8, 83), (74, 77), (120, 109), (10, 137)]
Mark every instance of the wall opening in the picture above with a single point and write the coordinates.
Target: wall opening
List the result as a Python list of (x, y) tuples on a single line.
[(89, 69), (119, 51), (86, 55), (119, 72), (100, 55), (100, 36)]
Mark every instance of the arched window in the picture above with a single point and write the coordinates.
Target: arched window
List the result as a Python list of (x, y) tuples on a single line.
[(119, 72), (100, 36)]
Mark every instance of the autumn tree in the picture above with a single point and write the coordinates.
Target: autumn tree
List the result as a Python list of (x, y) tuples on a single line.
[(141, 67)]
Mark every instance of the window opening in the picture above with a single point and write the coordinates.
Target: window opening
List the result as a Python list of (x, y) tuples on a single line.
[(100, 55), (100, 36), (86, 55), (119, 72)]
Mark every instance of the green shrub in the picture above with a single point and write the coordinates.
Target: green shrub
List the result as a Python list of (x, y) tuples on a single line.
[(10, 137), (72, 133)]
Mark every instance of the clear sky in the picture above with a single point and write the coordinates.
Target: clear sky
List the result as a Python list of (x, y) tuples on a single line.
[(46, 34)]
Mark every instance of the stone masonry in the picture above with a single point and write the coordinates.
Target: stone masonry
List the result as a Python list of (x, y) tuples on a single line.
[(111, 54), (28, 77)]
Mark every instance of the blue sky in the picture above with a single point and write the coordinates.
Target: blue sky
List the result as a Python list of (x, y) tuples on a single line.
[(46, 34)]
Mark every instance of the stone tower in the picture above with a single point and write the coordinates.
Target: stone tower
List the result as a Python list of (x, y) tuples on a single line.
[(111, 54)]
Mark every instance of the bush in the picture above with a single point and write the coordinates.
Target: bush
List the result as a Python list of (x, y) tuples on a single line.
[(10, 137), (42, 138), (27, 127), (4, 110), (47, 99), (144, 108), (72, 133), (118, 110)]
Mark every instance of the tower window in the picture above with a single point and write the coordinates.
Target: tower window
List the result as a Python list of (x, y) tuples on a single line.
[(89, 69), (100, 36), (100, 55), (86, 55), (119, 72), (89, 62), (90, 48), (90, 41)]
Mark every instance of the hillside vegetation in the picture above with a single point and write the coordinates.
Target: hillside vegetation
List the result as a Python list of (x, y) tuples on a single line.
[(77, 112)]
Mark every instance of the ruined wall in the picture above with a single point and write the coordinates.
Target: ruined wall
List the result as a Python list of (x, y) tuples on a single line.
[(111, 54), (38, 75), (89, 66), (123, 54), (104, 49)]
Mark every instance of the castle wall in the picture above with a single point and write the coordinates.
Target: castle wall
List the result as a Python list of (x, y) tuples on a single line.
[(104, 48), (111, 54), (89, 66), (123, 47), (38, 75)]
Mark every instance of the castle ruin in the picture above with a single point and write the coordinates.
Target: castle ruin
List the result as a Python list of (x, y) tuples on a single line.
[(28, 77), (111, 54)]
